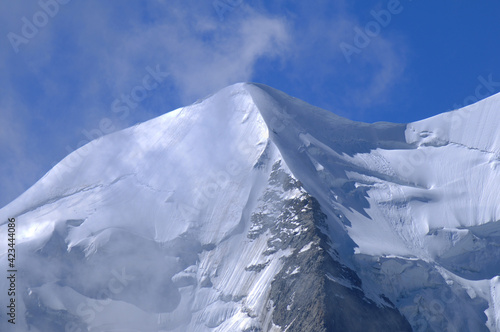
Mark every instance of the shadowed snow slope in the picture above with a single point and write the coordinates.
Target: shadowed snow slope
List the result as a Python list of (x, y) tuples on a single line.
[(254, 211)]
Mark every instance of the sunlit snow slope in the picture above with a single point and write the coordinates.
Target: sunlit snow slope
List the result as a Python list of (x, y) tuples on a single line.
[(254, 211)]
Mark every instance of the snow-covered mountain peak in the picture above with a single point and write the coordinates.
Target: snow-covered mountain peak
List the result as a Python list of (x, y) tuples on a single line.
[(254, 211)]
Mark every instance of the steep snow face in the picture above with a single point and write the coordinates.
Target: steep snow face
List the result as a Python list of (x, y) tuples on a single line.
[(182, 224), (163, 160), (153, 228), (419, 202), (121, 232)]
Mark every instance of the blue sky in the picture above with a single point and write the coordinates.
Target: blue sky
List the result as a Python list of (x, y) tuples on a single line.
[(67, 67)]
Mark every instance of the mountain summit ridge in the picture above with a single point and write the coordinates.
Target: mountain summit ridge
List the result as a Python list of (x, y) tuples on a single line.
[(213, 217)]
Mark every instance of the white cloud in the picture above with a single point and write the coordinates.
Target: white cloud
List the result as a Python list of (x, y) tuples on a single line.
[(203, 68), (201, 53)]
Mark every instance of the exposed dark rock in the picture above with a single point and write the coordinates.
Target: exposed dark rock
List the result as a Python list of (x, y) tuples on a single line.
[(314, 291), (256, 267)]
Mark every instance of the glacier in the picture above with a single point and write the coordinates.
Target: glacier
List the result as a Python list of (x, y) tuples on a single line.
[(251, 210)]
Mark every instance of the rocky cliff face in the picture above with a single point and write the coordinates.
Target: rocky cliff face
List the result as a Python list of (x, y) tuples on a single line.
[(313, 291)]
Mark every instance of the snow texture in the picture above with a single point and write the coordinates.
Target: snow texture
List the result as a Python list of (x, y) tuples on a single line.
[(180, 223)]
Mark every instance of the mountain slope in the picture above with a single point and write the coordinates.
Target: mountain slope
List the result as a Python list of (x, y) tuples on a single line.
[(254, 211)]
